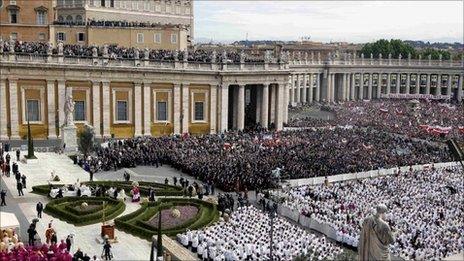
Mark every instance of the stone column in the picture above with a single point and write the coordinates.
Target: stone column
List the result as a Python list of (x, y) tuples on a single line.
[(176, 114), (279, 109), (438, 87), (259, 102), (298, 89), (147, 108), (3, 111), (427, 87), (398, 83), (418, 80), (352, 86), (379, 85), (185, 108), (361, 86), (61, 101), (460, 86), (14, 110), (51, 109), (449, 83), (291, 93), (310, 90), (241, 107), (213, 109), (265, 106), (272, 106), (285, 107), (106, 109), (304, 89), (408, 80), (318, 87), (369, 88), (388, 83), (224, 106), (138, 109), (96, 117), (344, 85)]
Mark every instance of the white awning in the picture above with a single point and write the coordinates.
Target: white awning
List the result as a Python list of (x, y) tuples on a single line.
[(8, 220)]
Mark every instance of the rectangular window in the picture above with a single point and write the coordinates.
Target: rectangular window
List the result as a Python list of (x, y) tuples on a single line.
[(33, 110), (13, 16), (12, 2), (174, 38), (92, 3), (80, 37), (103, 3), (111, 3), (168, 8), (140, 38), (157, 8), (177, 9), (157, 38), (41, 18), (187, 10), (14, 36), (41, 37), (122, 111), (199, 111), (161, 111), (79, 111), (61, 36)]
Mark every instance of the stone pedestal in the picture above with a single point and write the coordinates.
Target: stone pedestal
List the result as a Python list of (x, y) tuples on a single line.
[(69, 138)]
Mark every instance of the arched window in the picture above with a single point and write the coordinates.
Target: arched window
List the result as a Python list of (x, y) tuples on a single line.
[(60, 18), (78, 18), (69, 18)]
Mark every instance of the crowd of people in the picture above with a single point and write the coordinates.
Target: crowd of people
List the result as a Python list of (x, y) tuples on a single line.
[(425, 209), (111, 23), (114, 51), (245, 236), (239, 161), (428, 120)]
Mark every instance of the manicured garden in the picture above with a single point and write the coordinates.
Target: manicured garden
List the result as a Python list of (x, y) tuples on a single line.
[(160, 189), (84, 211), (177, 215)]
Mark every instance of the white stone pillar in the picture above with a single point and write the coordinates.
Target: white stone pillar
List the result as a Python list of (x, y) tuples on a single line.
[(318, 87), (185, 108), (427, 86), (259, 102), (460, 86), (388, 83), (106, 109), (3, 111), (272, 93), (298, 89), (14, 110), (379, 85), (241, 107), (369, 88), (303, 95), (279, 109), (51, 109), (398, 83), (285, 107), (96, 105), (310, 90), (213, 109), (352, 86), (176, 114), (408, 82), (265, 106), (448, 84), (138, 109), (291, 92), (224, 106), (147, 108), (343, 87), (61, 101), (361, 86), (438, 87), (418, 80)]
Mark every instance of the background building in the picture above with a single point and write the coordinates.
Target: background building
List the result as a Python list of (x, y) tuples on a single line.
[(26, 20)]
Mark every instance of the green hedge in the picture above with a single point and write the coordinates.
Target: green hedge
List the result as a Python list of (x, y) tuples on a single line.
[(160, 189), (135, 222), (59, 208)]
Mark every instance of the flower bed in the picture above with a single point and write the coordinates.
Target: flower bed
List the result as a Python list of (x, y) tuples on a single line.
[(67, 209), (143, 222)]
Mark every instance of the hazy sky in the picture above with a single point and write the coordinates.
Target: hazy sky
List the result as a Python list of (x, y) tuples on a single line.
[(351, 21)]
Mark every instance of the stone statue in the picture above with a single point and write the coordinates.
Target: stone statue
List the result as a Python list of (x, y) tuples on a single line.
[(372, 56), (60, 48), (185, 55), (242, 56), (267, 56), (49, 48), (400, 56), (389, 56), (224, 56), (94, 52), (146, 54), (2, 44), (380, 56), (362, 55), (176, 55), (69, 110), (214, 56), (105, 50), (375, 237), (137, 54)]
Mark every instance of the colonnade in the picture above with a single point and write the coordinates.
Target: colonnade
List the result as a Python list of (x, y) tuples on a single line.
[(332, 85)]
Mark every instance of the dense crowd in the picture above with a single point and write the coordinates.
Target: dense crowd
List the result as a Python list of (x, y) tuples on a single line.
[(111, 23), (425, 209), (245, 236), (428, 120), (121, 52), (237, 160)]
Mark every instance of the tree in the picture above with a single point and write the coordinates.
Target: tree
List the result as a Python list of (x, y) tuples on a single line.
[(395, 47), (86, 140), (435, 54)]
